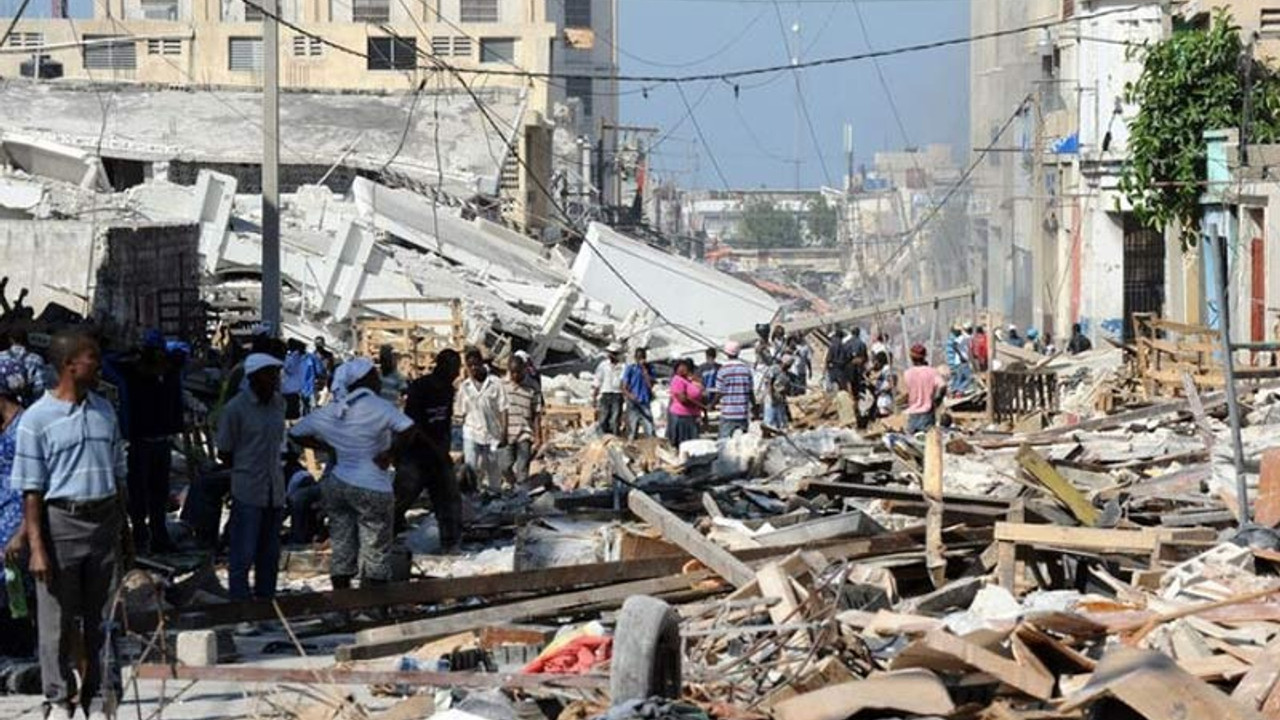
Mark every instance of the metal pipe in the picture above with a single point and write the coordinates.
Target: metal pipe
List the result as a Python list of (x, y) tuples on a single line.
[(1218, 288), (271, 165)]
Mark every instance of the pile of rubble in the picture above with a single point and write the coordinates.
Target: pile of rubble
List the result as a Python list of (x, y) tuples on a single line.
[(1088, 569)]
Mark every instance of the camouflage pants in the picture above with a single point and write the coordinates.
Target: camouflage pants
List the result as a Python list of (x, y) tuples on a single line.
[(360, 530)]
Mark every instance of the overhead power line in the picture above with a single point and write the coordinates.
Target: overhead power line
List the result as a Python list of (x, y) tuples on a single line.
[(727, 76)]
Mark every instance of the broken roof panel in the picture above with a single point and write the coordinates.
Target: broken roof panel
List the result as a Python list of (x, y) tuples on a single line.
[(702, 303), (147, 123)]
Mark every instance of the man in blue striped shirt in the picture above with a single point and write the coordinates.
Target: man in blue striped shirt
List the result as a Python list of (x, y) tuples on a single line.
[(734, 385), (69, 465)]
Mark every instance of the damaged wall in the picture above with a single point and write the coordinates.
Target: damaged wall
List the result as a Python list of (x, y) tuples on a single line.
[(150, 277), (53, 259)]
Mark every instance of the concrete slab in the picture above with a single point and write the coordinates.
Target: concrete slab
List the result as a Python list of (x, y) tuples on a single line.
[(54, 160)]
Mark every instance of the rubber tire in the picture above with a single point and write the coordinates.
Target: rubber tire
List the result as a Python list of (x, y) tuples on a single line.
[(646, 651)]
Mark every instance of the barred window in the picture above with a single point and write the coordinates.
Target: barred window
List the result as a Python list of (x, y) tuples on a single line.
[(388, 53), (479, 11)]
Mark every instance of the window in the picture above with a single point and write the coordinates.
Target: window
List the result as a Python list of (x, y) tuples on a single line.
[(441, 45), (160, 9), (580, 87), (461, 46), (498, 50), (306, 46), (102, 52), (252, 13), (164, 46), (244, 54), (479, 11), (1269, 22), (371, 11), (392, 53), (577, 13), (26, 40)]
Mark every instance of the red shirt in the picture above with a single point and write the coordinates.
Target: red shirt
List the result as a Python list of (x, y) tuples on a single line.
[(980, 348)]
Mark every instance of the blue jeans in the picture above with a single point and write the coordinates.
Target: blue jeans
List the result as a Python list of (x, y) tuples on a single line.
[(775, 415), (920, 422), (483, 462), (729, 427), (961, 378), (255, 541), (639, 417)]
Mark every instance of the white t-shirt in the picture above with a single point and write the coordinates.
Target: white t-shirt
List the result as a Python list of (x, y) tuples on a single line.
[(608, 377), (359, 429), (481, 407)]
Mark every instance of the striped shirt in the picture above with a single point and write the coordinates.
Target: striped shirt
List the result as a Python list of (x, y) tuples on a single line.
[(734, 385), (69, 451), (522, 405)]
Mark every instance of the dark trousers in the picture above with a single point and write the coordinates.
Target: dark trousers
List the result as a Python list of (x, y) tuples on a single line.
[(610, 413), (84, 555), (306, 514), (430, 469), (150, 463), (255, 543)]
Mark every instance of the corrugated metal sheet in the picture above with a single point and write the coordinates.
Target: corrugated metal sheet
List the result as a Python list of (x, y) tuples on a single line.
[(245, 54), (110, 55)]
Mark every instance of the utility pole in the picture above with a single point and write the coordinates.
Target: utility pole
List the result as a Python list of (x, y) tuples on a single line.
[(271, 165), (1038, 246)]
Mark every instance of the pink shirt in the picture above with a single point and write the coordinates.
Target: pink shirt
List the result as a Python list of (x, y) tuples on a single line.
[(922, 382), (679, 386)]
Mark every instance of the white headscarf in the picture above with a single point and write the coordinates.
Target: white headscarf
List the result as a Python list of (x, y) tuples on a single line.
[(347, 374)]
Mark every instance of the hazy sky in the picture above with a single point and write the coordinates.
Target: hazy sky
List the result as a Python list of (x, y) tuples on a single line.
[(754, 137)]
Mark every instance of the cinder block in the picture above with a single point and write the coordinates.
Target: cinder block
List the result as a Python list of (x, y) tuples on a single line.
[(198, 648)]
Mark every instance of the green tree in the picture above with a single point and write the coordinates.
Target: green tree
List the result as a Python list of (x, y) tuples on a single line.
[(1190, 83), (821, 221), (765, 225)]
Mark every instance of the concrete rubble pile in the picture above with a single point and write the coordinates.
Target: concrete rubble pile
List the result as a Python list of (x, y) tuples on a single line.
[(375, 252), (1093, 568)]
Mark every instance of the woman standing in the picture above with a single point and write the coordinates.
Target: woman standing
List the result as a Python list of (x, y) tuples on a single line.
[(686, 405), (360, 429), (17, 635)]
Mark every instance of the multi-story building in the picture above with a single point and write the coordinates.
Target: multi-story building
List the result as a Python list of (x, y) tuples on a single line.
[(1063, 245), (392, 46)]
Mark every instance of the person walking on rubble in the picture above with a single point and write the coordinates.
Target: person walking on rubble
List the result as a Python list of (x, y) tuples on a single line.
[(838, 360), (736, 383), (686, 404), (482, 404), (958, 362), (925, 389), (524, 423), (606, 388), (775, 388), (429, 403), (637, 385), (70, 465), (362, 432), (250, 440)]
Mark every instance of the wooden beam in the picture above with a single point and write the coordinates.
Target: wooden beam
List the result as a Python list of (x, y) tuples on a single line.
[(690, 540), (1051, 479), (1095, 540), (935, 551), (379, 642), (336, 676)]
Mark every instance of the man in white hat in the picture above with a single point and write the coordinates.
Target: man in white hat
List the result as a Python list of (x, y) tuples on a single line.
[(606, 388), (250, 440)]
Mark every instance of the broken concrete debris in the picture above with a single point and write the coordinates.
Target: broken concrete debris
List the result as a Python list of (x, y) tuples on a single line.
[(1079, 555)]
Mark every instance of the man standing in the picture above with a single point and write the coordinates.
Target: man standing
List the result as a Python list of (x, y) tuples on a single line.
[(1078, 343), (393, 383), (70, 466), (524, 422), (980, 349), (250, 438), (293, 378), (637, 385), (776, 388), (36, 369), (429, 403), (736, 383), (326, 363), (957, 361), (838, 360), (856, 350), (150, 390), (708, 371), (607, 388), (925, 388), (482, 404)]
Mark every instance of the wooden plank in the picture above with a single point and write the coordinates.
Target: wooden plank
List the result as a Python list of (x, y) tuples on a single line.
[(690, 540), (334, 676), (1197, 411), (1050, 478), (774, 583), (935, 551), (942, 651), (1007, 551), (1256, 685), (1152, 685), (1266, 507), (379, 642), (1097, 540), (913, 692), (847, 524), (882, 492)]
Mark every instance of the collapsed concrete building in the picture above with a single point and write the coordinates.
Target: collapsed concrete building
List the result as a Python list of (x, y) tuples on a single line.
[(379, 220)]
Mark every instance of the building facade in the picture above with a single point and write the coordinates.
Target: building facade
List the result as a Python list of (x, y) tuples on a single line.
[(388, 46)]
